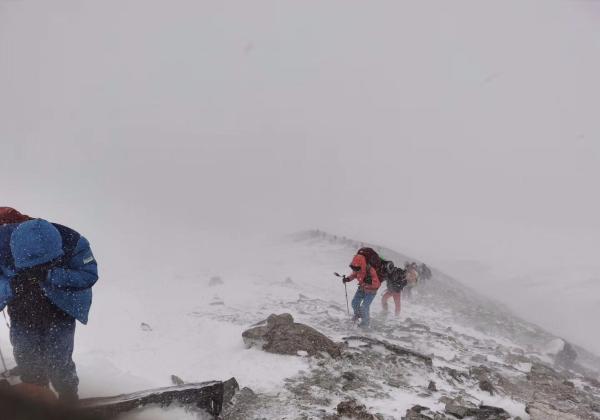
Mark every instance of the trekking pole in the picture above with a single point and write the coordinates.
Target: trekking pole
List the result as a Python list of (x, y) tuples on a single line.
[(346, 290), (3, 362), (2, 355)]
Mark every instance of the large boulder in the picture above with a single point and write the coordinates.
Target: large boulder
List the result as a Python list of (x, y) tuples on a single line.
[(280, 334)]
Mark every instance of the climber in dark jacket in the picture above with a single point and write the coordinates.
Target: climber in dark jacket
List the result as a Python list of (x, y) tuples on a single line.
[(396, 281), (46, 275)]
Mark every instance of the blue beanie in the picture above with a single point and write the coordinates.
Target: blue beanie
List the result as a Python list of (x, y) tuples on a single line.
[(34, 243)]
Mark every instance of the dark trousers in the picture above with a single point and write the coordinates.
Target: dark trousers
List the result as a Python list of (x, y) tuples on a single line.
[(42, 336)]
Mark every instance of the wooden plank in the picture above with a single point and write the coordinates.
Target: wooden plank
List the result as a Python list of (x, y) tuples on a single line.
[(205, 395)]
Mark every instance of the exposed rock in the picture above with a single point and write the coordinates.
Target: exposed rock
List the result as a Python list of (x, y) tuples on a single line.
[(280, 334), (432, 386), (349, 376), (176, 380), (401, 351), (460, 408), (241, 405), (479, 358), (593, 382), (145, 327), (543, 375), (487, 386), (566, 357), (419, 412), (542, 411), (487, 412), (230, 388), (352, 409)]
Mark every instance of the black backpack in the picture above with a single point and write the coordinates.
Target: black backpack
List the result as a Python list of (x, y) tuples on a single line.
[(381, 266), (397, 280)]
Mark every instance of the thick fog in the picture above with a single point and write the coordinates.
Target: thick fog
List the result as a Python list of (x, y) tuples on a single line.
[(463, 133)]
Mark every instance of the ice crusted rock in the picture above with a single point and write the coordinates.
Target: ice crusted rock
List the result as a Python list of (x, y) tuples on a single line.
[(460, 408), (280, 334), (176, 380), (353, 410), (419, 412), (393, 348), (465, 409), (542, 411)]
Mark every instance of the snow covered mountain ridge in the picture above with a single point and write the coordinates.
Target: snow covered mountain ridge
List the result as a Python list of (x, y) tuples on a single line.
[(485, 362)]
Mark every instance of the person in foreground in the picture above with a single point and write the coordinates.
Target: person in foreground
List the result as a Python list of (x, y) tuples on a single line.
[(368, 284), (46, 275)]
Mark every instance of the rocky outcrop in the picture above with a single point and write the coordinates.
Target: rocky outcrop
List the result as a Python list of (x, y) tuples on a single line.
[(351, 409), (393, 348), (280, 334), (419, 412), (567, 357), (542, 411), (461, 409), (457, 408)]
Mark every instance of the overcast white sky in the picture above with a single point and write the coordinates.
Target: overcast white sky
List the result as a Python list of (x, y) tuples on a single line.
[(452, 131)]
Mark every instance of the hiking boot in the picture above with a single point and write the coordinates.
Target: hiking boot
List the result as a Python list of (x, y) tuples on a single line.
[(68, 398), (36, 392), (16, 371)]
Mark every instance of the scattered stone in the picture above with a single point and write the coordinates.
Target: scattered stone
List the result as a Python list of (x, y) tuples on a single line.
[(593, 382), (487, 412), (280, 334), (566, 357), (230, 388), (395, 383), (349, 376), (460, 408), (543, 375), (419, 412), (215, 281), (242, 403), (432, 386), (352, 409), (176, 380), (543, 411), (479, 358), (145, 327), (456, 375), (401, 351), (487, 386)]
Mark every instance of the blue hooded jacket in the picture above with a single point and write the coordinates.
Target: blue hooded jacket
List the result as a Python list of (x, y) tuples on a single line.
[(73, 273)]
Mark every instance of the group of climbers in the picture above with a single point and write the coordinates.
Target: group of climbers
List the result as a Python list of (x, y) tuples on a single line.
[(371, 271), (46, 276)]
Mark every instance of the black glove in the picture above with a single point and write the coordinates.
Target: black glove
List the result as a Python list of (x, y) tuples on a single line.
[(39, 272), (346, 279)]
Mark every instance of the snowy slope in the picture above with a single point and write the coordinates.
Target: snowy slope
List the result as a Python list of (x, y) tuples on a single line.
[(193, 325)]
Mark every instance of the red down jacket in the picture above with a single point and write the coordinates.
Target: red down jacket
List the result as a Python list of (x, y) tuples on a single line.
[(369, 281)]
